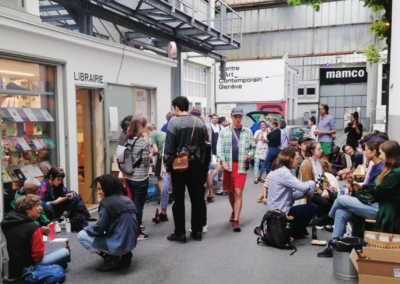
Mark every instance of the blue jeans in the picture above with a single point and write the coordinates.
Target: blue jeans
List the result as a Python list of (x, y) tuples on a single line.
[(58, 256), (138, 191), (273, 153), (343, 210), (256, 167), (302, 216), (166, 184)]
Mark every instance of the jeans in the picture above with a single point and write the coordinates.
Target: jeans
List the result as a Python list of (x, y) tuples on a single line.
[(55, 211), (302, 216), (343, 210), (271, 156), (192, 179), (256, 167), (166, 184), (138, 191), (324, 205), (58, 256)]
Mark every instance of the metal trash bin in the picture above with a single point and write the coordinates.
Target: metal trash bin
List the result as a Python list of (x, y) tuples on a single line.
[(341, 249)]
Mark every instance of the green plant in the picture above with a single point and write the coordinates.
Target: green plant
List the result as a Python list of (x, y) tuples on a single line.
[(373, 54), (380, 28)]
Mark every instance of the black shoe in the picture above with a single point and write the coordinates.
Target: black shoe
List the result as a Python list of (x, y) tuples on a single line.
[(327, 253), (163, 218), (196, 236), (323, 221), (328, 228), (126, 259), (110, 263), (175, 238)]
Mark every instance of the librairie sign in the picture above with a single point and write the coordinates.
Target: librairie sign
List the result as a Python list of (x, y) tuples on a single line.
[(354, 75), (86, 77)]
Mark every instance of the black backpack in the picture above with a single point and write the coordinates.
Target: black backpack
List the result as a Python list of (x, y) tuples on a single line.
[(80, 216), (275, 232)]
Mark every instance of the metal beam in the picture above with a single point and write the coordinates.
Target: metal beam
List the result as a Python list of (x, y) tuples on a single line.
[(168, 21), (128, 23), (69, 27), (48, 8), (134, 35), (55, 18), (190, 32)]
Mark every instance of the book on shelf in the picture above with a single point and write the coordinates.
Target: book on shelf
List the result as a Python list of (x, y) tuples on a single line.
[(5, 177), (29, 126), (47, 115), (29, 113), (6, 146), (19, 174), (20, 129), (25, 172), (44, 145), (37, 144), (49, 143), (23, 144), (15, 115), (23, 115), (30, 143), (38, 114), (15, 157), (6, 115), (35, 172), (14, 142), (13, 175)]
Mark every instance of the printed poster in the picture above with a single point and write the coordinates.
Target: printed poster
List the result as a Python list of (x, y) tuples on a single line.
[(224, 110), (141, 102)]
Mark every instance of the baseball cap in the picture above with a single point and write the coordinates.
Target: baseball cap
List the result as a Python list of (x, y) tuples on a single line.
[(195, 112), (237, 111), (305, 138), (380, 139)]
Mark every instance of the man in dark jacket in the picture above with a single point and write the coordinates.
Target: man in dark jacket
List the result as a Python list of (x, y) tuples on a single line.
[(186, 135), (24, 238)]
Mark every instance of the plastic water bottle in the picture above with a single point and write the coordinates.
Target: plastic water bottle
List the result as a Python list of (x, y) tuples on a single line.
[(68, 226), (57, 228)]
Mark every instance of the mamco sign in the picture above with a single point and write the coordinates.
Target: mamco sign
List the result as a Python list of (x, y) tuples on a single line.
[(330, 76)]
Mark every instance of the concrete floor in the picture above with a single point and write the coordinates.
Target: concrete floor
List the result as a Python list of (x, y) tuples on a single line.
[(223, 256)]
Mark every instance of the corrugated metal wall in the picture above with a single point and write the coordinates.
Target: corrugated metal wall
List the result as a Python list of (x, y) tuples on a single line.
[(341, 26)]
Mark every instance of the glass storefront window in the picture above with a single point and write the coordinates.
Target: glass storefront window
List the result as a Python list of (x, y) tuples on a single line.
[(13, 3), (28, 121)]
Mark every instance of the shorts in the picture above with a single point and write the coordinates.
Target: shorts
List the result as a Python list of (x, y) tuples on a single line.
[(232, 180), (158, 166), (326, 148)]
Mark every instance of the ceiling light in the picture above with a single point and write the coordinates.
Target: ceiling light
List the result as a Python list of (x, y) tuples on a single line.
[(17, 73)]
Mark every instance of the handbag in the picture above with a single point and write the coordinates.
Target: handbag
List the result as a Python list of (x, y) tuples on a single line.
[(181, 162), (365, 197)]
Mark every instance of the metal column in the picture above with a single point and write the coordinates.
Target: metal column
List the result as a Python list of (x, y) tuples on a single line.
[(176, 77)]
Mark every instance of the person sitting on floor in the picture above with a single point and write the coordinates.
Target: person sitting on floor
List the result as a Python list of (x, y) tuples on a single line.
[(280, 192), (31, 186), (24, 238), (380, 201), (115, 234), (57, 201)]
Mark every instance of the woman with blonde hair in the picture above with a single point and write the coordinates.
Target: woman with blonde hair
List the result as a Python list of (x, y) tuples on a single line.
[(380, 201), (138, 182)]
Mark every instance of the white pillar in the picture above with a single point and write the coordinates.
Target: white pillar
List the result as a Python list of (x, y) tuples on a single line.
[(394, 85)]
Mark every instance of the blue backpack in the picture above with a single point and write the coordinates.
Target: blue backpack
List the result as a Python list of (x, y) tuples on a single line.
[(44, 274)]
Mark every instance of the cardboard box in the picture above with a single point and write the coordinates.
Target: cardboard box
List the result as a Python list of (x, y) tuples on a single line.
[(382, 266)]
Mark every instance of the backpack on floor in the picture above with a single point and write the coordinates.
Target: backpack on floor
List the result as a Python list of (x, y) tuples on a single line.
[(44, 274), (80, 216), (274, 231)]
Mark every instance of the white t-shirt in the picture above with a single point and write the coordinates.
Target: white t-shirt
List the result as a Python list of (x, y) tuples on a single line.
[(313, 128), (215, 128)]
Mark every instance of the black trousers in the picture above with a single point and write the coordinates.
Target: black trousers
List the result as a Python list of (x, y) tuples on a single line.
[(352, 143), (324, 205), (193, 180), (56, 211)]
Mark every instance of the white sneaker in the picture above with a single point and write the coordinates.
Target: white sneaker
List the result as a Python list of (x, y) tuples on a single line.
[(319, 227), (57, 228), (205, 229), (62, 224)]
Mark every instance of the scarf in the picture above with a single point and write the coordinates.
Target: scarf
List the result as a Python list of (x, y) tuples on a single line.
[(318, 174)]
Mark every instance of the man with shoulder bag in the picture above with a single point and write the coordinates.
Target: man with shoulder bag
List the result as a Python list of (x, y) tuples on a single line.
[(184, 154)]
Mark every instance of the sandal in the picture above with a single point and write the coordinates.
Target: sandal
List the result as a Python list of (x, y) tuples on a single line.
[(261, 180), (210, 199), (255, 180)]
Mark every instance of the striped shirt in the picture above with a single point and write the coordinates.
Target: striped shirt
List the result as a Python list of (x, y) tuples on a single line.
[(141, 149), (246, 147)]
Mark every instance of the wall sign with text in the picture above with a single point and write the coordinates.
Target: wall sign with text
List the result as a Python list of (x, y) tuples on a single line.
[(354, 75), (86, 77)]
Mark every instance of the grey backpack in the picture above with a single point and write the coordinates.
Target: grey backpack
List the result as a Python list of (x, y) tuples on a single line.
[(125, 158)]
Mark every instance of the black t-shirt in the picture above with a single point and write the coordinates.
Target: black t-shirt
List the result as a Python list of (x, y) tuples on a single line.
[(353, 135), (357, 159), (235, 144)]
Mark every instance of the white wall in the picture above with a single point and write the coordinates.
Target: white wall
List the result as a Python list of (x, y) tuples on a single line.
[(394, 86), (266, 89), (32, 7), (86, 54)]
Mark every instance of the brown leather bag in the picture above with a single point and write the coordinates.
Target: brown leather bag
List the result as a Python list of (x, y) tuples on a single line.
[(181, 162)]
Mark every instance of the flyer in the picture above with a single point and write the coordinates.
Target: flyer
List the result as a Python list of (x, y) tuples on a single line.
[(29, 113), (30, 143), (15, 115), (38, 114), (47, 115), (14, 142), (23, 144), (23, 115)]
